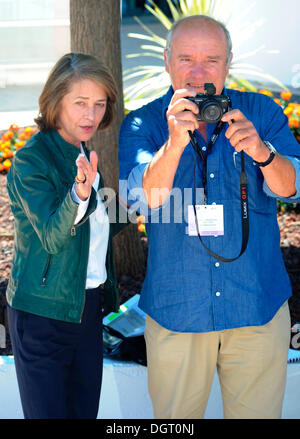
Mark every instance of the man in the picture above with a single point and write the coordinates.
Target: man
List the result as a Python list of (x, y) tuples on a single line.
[(208, 306)]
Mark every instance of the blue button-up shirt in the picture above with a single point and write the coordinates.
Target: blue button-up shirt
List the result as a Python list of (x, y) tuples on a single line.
[(186, 289)]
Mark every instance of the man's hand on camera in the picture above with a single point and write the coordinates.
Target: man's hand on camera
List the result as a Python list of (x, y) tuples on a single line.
[(243, 136), (181, 117)]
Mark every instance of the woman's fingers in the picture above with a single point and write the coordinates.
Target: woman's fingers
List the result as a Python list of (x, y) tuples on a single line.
[(93, 161), (87, 170)]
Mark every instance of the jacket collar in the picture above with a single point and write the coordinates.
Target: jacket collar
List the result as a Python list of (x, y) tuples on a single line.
[(67, 150)]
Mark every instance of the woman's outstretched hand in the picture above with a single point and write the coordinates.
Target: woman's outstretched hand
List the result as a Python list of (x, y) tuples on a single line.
[(86, 174)]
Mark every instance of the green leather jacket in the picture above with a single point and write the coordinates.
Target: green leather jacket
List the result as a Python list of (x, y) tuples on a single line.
[(49, 266)]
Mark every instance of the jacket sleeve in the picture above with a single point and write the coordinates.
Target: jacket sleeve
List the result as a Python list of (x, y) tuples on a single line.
[(35, 192)]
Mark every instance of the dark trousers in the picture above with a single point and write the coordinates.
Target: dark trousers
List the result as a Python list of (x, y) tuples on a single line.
[(59, 364)]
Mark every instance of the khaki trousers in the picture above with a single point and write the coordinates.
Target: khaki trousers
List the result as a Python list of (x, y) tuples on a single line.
[(251, 364)]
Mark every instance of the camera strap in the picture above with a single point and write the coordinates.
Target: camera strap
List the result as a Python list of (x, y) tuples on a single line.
[(243, 192)]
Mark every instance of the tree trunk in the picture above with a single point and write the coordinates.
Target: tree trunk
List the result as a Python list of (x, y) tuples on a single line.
[(95, 29)]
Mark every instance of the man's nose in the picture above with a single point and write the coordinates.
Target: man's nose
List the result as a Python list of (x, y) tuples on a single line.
[(198, 69)]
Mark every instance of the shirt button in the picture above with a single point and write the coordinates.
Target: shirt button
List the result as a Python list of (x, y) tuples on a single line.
[(217, 264), (212, 175), (204, 148), (218, 293)]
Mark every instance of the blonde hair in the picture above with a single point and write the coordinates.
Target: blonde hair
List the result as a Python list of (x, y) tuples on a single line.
[(70, 68)]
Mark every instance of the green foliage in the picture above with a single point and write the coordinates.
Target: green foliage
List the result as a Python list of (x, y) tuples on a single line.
[(288, 207)]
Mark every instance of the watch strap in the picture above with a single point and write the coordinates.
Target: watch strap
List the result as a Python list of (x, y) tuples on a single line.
[(271, 156)]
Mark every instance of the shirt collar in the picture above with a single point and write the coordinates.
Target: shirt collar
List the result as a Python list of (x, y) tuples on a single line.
[(166, 101)]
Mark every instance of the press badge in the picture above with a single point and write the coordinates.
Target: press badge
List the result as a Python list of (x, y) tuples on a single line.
[(210, 220)]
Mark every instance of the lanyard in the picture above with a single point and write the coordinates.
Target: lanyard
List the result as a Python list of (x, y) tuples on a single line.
[(243, 192), (198, 151)]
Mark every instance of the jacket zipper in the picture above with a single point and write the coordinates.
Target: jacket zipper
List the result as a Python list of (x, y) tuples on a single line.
[(44, 278), (73, 228)]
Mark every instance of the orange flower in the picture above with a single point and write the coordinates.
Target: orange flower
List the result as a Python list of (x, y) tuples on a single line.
[(19, 144), (8, 135), (141, 228), (140, 220), (7, 164), (23, 136), (27, 133), (14, 127), (288, 110), (6, 144), (141, 223), (233, 84), (266, 92), (278, 101), (11, 141), (286, 95), (296, 123), (7, 153), (29, 130)]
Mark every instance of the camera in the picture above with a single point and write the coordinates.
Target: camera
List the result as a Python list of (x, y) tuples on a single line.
[(211, 106)]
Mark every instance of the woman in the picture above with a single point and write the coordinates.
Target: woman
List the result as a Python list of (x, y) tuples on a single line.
[(63, 265)]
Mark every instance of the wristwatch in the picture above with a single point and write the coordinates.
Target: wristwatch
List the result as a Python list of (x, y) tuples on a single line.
[(271, 156)]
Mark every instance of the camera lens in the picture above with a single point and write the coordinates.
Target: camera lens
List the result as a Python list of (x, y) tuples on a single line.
[(211, 112)]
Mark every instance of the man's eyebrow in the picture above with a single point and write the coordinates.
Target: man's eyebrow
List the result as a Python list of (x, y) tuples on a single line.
[(189, 55)]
